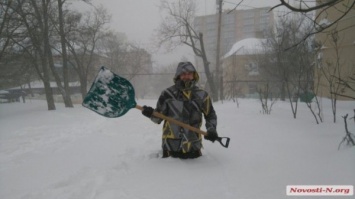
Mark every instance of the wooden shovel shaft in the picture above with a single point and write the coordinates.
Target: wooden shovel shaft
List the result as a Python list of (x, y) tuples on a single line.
[(161, 116)]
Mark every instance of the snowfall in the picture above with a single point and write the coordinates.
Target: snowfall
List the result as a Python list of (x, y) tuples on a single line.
[(74, 153)]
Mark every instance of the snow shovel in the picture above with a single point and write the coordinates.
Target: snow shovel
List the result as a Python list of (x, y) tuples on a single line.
[(113, 96)]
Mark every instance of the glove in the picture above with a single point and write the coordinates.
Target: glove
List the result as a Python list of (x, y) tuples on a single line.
[(147, 111), (212, 135)]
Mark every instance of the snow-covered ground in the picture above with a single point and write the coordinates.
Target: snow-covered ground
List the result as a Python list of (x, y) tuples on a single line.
[(78, 154)]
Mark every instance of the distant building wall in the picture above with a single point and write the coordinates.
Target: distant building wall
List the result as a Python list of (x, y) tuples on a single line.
[(327, 58), (236, 25), (243, 77)]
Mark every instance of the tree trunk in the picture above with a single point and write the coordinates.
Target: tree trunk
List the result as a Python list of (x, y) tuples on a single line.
[(218, 71), (47, 87), (67, 99), (83, 87), (49, 55), (207, 70)]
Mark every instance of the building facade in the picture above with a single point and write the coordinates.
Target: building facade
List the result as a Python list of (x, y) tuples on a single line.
[(235, 26), (242, 75), (335, 60)]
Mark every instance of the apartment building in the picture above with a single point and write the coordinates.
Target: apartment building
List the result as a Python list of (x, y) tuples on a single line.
[(235, 26)]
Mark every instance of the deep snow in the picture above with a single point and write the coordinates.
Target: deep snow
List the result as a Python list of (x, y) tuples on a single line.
[(78, 154)]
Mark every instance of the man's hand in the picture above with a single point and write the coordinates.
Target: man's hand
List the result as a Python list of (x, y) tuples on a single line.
[(147, 111), (212, 135)]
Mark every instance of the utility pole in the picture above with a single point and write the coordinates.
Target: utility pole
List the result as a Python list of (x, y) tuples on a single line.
[(219, 83)]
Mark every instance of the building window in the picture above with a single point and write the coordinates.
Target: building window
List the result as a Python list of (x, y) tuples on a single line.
[(264, 20), (228, 19), (252, 88), (248, 29), (264, 13), (249, 21), (252, 68), (248, 14)]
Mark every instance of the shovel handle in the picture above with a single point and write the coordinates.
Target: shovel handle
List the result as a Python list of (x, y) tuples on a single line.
[(225, 140), (191, 128), (172, 120)]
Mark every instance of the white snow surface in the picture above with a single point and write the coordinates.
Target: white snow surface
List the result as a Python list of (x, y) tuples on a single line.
[(74, 153)]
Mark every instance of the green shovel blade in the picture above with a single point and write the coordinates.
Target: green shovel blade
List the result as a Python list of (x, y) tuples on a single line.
[(110, 95)]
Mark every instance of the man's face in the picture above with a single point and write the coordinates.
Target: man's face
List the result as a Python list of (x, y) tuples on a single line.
[(187, 76)]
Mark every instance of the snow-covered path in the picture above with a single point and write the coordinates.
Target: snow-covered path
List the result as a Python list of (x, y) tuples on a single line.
[(77, 154)]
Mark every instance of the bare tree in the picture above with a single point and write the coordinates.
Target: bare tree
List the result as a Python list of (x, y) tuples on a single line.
[(164, 77), (13, 65), (37, 17), (332, 69), (45, 11), (67, 99), (136, 66), (347, 83), (317, 79), (8, 25), (30, 39), (82, 40), (177, 29), (290, 67), (123, 57), (113, 46), (136, 60), (265, 99), (343, 7), (233, 90), (33, 31), (349, 138)]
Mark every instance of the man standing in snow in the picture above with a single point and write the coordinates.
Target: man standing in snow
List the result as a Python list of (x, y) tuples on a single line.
[(185, 102)]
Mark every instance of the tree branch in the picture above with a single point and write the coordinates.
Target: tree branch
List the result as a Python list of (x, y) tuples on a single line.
[(287, 5)]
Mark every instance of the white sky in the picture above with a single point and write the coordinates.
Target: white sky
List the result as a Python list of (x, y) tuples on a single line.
[(139, 18)]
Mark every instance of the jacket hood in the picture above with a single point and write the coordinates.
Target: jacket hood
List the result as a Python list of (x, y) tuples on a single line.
[(186, 67)]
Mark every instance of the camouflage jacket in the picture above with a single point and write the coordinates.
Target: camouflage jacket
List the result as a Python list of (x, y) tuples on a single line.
[(188, 106)]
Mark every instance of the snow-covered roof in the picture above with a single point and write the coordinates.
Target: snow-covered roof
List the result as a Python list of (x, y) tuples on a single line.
[(246, 47)]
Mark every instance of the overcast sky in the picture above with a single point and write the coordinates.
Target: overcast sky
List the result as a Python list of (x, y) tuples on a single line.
[(139, 18)]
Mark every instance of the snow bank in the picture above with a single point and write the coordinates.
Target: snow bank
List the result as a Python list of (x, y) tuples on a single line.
[(75, 153)]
